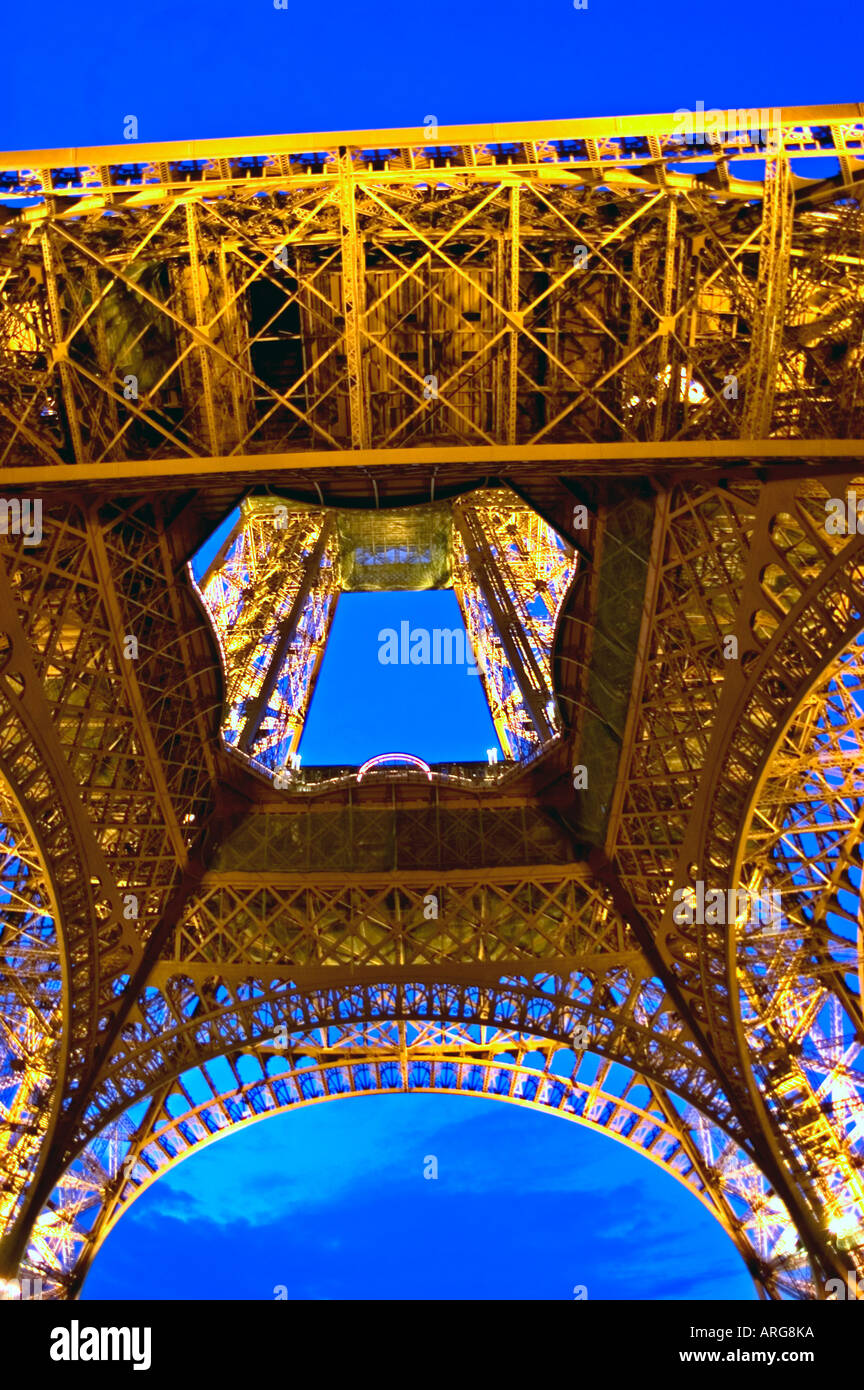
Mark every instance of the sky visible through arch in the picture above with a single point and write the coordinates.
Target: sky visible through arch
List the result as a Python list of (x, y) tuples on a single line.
[(331, 1199), (436, 711)]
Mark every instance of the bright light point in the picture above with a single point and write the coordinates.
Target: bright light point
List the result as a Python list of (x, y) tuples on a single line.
[(696, 393), (845, 1225)]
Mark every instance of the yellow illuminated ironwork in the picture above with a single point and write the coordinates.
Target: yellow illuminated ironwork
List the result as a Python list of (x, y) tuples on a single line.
[(437, 351)]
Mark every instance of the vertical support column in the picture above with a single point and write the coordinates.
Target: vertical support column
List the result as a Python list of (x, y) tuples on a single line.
[(353, 300), (630, 374), (107, 403), (117, 625), (60, 353), (769, 300), (196, 270), (513, 354), (286, 635), (664, 388), (235, 341), (507, 623)]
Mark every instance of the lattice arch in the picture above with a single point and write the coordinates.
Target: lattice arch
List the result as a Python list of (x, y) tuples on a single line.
[(212, 1101), (184, 1023), (799, 981), (34, 996), (810, 585)]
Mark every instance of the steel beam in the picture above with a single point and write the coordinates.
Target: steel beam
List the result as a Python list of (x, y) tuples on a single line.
[(631, 458)]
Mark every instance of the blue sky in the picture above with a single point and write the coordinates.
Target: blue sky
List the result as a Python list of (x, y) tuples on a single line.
[(216, 68), (331, 1202), (437, 712), (331, 1199)]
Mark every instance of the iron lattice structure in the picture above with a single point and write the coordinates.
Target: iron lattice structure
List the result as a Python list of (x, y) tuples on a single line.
[(657, 349), (271, 591)]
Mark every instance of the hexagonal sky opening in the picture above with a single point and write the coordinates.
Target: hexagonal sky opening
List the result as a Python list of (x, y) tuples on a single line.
[(413, 641)]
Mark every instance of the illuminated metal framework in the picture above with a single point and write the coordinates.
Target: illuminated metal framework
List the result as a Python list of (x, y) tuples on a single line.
[(331, 292), (271, 591), (511, 574), (653, 350)]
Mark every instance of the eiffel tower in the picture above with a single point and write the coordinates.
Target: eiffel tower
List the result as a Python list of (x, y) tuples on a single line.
[(602, 378)]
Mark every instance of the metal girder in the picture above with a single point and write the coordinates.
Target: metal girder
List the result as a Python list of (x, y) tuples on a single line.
[(550, 312), (508, 635), (133, 689), (284, 636), (94, 941), (513, 356), (195, 273), (621, 1104), (811, 131), (353, 302), (769, 301), (795, 603), (483, 461)]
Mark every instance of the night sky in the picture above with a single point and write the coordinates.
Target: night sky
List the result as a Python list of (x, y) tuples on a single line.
[(219, 68)]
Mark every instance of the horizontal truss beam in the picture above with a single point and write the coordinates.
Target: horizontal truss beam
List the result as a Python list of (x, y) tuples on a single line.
[(629, 457), (804, 130)]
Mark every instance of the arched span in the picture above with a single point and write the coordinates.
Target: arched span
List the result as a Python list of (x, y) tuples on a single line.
[(792, 740), (797, 981), (33, 1043), (193, 1017), (799, 606), (198, 1109)]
